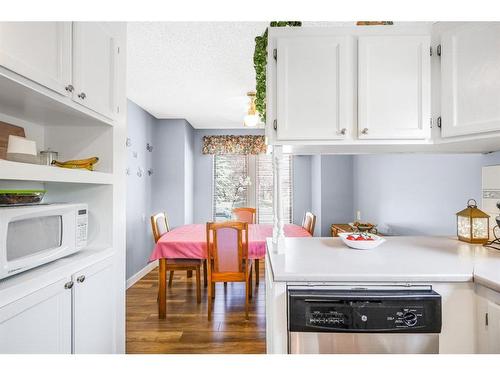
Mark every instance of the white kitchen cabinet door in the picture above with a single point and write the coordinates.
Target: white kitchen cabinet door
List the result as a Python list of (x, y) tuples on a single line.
[(493, 328), (39, 51), (314, 88), (94, 67), (39, 323), (470, 79), (394, 87), (94, 309)]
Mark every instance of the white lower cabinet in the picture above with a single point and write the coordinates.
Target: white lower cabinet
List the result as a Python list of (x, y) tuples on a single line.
[(488, 321), (93, 309), (39, 322), (73, 315)]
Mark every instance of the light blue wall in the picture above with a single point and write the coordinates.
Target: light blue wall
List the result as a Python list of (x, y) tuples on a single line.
[(301, 187), (139, 189), (337, 193), (173, 165), (414, 194)]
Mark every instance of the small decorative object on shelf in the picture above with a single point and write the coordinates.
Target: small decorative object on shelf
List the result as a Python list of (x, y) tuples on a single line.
[(22, 150), (128, 143), (473, 225), (77, 164), (495, 244), (48, 156), (139, 172), (150, 172), (149, 147)]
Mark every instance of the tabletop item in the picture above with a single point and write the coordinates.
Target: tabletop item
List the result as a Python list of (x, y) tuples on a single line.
[(190, 241), (361, 241), (77, 164), (473, 225), (22, 150), (5, 131), (48, 156), (21, 197), (359, 226)]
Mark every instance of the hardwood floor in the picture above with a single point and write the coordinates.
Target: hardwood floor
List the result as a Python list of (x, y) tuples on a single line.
[(186, 328)]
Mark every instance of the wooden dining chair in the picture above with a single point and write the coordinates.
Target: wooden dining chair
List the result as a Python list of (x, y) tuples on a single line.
[(308, 222), (245, 214), (159, 224), (248, 215), (227, 250)]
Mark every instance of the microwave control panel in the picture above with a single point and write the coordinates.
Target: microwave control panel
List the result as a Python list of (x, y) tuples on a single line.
[(82, 223)]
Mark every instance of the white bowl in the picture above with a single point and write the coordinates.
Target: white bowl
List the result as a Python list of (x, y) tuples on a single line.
[(362, 244)]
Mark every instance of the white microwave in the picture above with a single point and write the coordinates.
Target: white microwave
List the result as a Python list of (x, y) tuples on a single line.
[(33, 235)]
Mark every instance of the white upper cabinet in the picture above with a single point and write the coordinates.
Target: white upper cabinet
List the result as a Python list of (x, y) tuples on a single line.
[(40, 323), (470, 79), (394, 87), (314, 88), (94, 67), (39, 51), (93, 309)]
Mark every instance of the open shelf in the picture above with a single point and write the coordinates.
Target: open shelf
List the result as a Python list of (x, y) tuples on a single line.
[(24, 99), (10, 170)]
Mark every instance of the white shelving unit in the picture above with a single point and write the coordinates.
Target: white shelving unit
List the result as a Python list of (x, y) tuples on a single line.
[(58, 121)]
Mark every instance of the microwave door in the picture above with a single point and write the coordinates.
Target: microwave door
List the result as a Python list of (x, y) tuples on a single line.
[(37, 239)]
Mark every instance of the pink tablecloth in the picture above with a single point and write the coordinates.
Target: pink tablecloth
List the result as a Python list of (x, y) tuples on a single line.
[(189, 241)]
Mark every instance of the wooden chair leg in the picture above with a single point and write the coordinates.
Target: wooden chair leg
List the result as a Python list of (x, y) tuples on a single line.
[(209, 304), (257, 276), (170, 279), (162, 279), (198, 285), (205, 276), (250, 284), (189, 274), (247, 296)]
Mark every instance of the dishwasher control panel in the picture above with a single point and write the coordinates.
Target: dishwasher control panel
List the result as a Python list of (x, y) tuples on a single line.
[(364, 311)]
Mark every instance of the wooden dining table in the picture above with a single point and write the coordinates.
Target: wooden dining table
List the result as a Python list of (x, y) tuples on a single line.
[(190, 242)]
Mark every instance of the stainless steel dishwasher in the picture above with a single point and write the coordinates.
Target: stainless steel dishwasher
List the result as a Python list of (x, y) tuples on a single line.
[(399, 320)]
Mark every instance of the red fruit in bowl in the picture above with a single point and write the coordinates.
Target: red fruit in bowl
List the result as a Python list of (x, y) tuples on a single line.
[(351, 237)]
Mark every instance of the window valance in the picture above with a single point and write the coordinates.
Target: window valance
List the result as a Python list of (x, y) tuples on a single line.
[(234, 145)]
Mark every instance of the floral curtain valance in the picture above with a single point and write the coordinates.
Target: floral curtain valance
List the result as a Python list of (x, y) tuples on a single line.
[(234, 145)]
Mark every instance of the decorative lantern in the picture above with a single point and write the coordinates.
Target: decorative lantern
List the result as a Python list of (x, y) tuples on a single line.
[(473, 225)]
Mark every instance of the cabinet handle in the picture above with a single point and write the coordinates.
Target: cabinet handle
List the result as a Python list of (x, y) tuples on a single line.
[(81, 278), (82, 95), (68, 285), (364, 131), (343, 131), (69, 88)]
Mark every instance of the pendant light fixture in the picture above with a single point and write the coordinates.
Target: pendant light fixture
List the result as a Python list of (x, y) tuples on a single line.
[(251, 120)]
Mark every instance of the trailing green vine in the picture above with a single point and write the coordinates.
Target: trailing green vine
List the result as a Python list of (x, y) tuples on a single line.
[(260, 62)]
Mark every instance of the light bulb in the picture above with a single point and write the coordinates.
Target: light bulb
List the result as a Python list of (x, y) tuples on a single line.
[(251, 120)]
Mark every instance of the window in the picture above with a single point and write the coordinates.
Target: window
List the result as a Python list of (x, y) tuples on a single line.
[(247, 181)]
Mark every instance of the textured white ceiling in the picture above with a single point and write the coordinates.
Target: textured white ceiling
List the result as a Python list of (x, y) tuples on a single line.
[(199, 71)]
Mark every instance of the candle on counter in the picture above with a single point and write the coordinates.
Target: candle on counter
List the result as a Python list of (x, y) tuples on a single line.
[(358, 216)]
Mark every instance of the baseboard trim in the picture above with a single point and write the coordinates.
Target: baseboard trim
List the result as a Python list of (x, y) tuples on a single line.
[(139, 275)]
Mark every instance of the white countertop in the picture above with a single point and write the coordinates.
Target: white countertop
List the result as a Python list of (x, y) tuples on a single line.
[(399, 259)]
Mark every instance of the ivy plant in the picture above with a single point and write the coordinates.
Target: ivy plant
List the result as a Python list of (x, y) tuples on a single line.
[(260, 62)]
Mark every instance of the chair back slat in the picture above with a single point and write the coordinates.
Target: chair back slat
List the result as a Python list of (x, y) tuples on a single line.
[(245, 214), (159, 225), (227, 245), (309, 222)]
